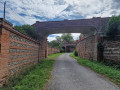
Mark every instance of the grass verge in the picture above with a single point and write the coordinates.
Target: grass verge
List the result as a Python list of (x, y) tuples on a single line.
[(110, 72), (54, 56), (33, 78)]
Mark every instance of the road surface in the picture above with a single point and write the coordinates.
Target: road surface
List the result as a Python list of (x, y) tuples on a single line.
[(67, 74)]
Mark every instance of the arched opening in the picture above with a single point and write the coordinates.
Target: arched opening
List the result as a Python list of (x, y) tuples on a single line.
[(66, 42), (88, 27)]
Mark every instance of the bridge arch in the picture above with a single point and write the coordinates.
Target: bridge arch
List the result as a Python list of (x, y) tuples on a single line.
[(88, 27)]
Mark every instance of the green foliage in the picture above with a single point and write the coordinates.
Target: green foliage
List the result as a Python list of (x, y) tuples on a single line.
[(60, 41), (100, 46), (56, 43), (20, 29), (37, 78), (109, 71), (28, 30), (62, 50), (112, 27), (13, 80), (81, 35), (67, 38), (32, 78), (75, 53), (54, 56)]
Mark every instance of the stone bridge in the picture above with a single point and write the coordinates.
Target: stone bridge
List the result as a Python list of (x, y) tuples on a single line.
[(88, 27)]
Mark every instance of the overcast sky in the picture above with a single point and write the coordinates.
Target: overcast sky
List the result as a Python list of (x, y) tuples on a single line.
[(21, 12)]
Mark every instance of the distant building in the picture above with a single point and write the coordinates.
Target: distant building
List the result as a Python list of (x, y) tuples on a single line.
[(68, 47)]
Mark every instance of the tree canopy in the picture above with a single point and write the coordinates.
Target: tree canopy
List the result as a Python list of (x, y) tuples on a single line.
[(81, 35), (61, 40), (112, 26), (67, 38), (28, 30)]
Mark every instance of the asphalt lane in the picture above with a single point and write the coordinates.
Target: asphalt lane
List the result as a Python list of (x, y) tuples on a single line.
[(67, 74)]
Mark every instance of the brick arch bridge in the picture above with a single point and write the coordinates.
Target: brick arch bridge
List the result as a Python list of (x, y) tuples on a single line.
[(88, 27)]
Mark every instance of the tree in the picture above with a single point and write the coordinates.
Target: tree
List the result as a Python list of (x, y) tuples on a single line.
[(60, 41), (111, 28), (81, 35), (56, 43), (28, 30), (20, 29), (67, 38), (53, 43)]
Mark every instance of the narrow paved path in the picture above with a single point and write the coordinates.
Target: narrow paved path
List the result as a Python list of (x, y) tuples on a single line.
[(69, 75)]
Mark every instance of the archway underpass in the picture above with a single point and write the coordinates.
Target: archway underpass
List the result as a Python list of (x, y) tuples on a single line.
[(88, 27)]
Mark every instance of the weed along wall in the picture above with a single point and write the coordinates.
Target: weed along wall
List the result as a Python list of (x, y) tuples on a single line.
[(16, 51)]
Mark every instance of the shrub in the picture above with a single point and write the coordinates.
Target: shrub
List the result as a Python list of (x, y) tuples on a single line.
[(62, 50), (111, 28), (75, 53)]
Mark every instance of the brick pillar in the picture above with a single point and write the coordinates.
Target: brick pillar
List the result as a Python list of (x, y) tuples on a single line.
[(46, 49), (43, 48), (96, 52), (39, 52), (4, 54)]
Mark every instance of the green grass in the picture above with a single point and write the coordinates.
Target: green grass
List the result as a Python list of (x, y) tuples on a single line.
[(110, 72), (32, 78), (54, 56)]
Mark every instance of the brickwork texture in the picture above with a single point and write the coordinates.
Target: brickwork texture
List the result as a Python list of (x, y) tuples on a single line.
[(111, 49), (85, 47), (17, 51)]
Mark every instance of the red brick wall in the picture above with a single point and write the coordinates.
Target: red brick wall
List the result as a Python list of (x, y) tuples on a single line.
[(4, 55), (16, 51), (52, 50), (22, 51), (85, 47), (43, 49)]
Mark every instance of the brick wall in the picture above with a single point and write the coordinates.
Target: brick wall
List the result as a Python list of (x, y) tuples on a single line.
[(43, 51), (52, 50), (85, 47), (22, 52), (111, 49), (18, 51)]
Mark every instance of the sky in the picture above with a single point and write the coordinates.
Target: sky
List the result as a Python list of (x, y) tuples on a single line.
[(21, 12)]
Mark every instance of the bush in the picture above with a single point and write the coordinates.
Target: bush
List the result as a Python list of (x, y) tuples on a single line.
[(62, 50), (75, 53), (111, 28), (28, 30)]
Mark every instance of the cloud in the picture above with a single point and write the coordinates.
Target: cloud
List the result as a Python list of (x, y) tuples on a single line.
[(51, 39), (53, 36), (75, 36), (21, 12), (29, 11)]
